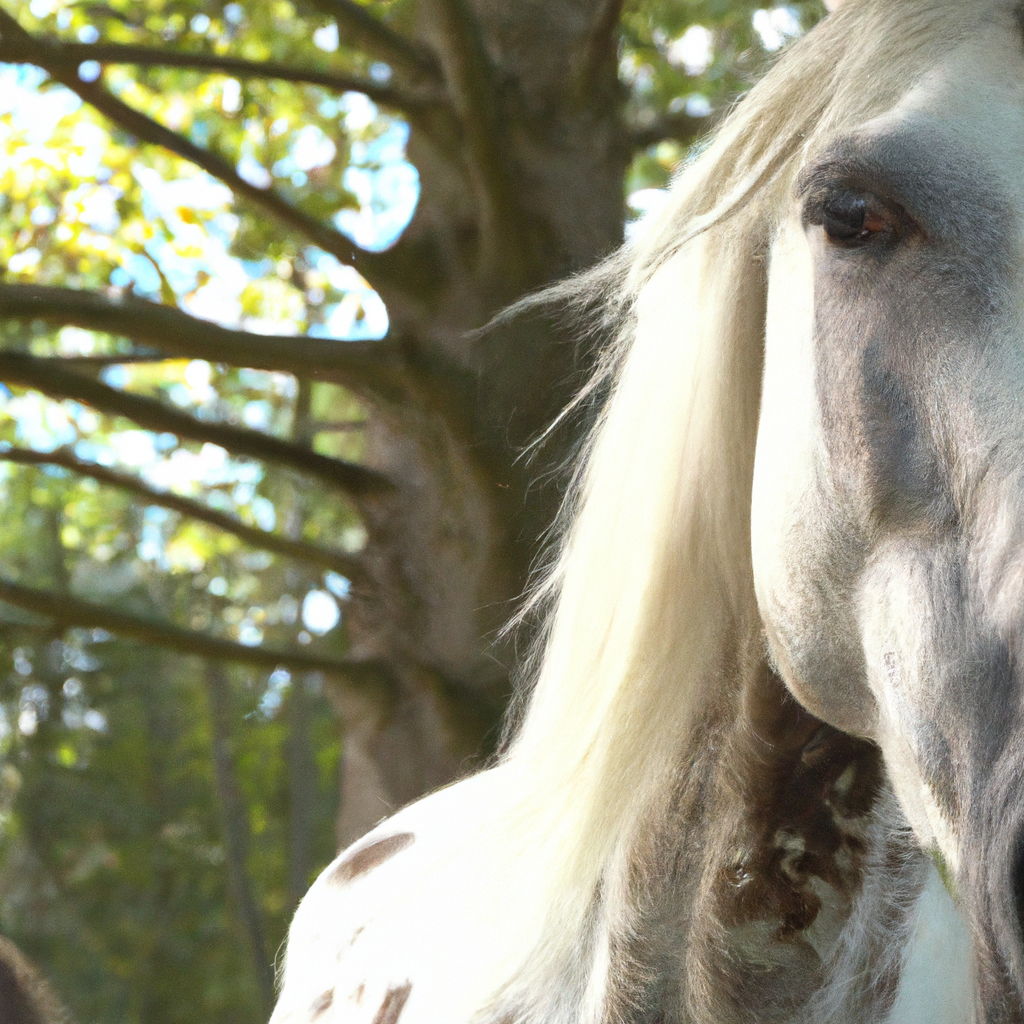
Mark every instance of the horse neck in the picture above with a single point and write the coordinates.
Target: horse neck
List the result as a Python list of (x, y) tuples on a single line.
[(767, 884)]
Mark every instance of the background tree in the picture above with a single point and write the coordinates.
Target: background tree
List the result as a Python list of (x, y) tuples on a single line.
[(258, 479)]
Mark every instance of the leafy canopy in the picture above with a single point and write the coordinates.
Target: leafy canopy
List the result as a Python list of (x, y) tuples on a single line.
[(155, 822)]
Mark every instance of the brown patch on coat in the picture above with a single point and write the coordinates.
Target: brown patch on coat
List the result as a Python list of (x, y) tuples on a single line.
[(394, 1002), (322, 1003), (805, 787), (370, 857), (769, 829), (786, 852)]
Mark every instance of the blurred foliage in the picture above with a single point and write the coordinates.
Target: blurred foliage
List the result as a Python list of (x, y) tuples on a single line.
[(697, 57), (112, 843), (113, 859)]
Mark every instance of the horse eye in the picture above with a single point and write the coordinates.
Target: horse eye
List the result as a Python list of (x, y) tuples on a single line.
[(849, 218), (843, 216)]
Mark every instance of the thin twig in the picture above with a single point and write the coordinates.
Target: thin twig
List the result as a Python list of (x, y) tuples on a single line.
[(334, 561), (148, 56), (71, 611), (49, 377)]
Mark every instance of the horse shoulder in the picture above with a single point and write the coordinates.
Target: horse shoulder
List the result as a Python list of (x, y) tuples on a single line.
[(389, 932)]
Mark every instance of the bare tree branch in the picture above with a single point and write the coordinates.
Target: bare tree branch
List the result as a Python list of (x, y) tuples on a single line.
[(47, 376), (147, 56), (368, 368), (682, 127), (27, 994), (365, 32), (335, 561), (17, 45), (70, 611), (600, 45), (135, 357)]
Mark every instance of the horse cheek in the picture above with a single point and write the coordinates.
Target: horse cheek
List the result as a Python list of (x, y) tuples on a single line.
[(800, 558)]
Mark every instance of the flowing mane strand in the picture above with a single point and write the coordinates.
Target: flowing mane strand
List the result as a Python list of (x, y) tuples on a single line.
[(652, 596)]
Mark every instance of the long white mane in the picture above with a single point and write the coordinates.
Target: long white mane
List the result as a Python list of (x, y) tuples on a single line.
[(652, 600), (653, 595)]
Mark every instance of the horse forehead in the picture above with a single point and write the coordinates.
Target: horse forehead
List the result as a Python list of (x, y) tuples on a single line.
[(967, 108)]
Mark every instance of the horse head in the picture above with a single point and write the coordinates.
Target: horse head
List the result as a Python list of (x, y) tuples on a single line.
[(888, 503)]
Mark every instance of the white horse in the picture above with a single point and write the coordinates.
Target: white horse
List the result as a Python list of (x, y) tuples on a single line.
[(772, 769)]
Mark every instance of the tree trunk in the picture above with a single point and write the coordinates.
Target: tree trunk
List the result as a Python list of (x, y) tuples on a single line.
[(526, 191)]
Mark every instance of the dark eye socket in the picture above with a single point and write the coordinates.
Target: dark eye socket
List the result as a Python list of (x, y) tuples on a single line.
[(852, 218)]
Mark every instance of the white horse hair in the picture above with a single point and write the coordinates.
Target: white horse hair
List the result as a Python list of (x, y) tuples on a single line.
[(669, 836)]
